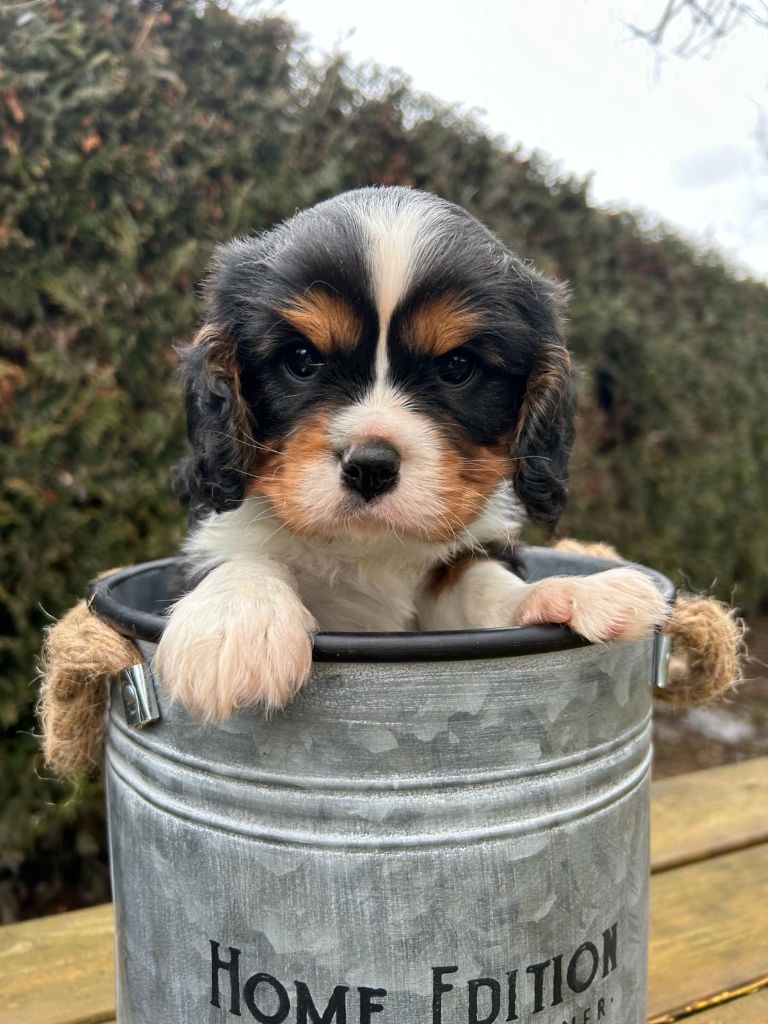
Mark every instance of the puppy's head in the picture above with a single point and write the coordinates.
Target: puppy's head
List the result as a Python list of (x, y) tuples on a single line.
[(379, 363)]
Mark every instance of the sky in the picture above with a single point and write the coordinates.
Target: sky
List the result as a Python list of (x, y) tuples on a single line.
[(676, 138)]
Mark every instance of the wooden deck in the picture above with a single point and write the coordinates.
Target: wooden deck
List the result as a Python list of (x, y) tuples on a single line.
[(709, 918)]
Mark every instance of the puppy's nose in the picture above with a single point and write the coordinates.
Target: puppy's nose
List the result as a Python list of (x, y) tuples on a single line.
[(371, 468)]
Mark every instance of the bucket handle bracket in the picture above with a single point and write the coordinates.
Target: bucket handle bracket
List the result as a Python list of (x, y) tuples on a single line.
[(662, 651), (138, 688)]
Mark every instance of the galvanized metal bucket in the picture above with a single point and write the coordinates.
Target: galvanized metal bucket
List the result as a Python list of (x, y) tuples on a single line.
[(440, 828)]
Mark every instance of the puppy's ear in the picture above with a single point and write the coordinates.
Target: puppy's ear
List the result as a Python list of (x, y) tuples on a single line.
[(544, 433), (219, 424)]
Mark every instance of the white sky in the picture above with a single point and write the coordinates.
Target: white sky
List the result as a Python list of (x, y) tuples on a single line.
[(675, 137)]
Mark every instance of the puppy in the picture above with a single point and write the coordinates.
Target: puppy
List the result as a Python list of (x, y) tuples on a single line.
[(379, 393)]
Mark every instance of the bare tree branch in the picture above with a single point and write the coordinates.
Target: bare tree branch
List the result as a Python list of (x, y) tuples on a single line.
[(697, 26)]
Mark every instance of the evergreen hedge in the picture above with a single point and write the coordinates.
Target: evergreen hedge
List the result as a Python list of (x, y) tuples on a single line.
[(135, 136)]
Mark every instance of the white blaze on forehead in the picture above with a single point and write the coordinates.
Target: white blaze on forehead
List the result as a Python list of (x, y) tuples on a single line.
[(402, 229), (384, 413)]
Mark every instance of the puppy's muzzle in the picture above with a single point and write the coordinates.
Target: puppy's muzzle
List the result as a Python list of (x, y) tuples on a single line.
[(370, 468)]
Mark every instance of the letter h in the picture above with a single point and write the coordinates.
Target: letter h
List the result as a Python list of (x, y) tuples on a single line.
[(233, 966)]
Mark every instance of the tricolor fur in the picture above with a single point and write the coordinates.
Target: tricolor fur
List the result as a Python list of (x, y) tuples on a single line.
[(380, 389)]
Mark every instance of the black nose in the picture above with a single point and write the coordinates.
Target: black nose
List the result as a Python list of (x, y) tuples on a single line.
[(370, 468)]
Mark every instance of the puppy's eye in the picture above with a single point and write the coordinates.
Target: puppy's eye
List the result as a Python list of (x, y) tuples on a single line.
[(302, 361), (455, 369)]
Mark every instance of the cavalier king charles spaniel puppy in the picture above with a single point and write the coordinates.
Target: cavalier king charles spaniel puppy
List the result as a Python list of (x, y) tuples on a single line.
[(378, 395)]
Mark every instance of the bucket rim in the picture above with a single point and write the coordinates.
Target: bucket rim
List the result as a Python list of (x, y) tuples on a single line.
[(445, 645)]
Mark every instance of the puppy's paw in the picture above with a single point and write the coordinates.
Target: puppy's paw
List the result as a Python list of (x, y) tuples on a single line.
[(618, 604), (235, 641)]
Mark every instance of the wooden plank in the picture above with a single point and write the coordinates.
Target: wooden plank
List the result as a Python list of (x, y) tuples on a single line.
[(59, 969), (751, 1009), (708, 930), (701, 814), (707, 919), (708, 936)]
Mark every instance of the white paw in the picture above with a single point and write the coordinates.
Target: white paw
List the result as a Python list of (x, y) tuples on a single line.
[(618, 604), (237, 639)]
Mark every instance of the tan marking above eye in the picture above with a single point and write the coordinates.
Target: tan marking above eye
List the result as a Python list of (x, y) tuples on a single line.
[(327, 320), (441, 324)]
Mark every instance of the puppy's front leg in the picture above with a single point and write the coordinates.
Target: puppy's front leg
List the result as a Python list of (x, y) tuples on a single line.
[(241, 636), (618, 604)]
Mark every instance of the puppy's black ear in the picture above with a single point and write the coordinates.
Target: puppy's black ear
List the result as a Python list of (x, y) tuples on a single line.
[(544, 433), (213, 477)]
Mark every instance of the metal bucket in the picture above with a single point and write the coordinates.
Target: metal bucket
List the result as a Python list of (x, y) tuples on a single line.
[(440, 828)]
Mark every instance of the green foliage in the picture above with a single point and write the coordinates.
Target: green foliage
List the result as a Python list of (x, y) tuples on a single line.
[(135, 136)]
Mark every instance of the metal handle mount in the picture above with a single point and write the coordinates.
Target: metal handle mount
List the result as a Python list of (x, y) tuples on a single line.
[(662, 651), (138, 687)]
